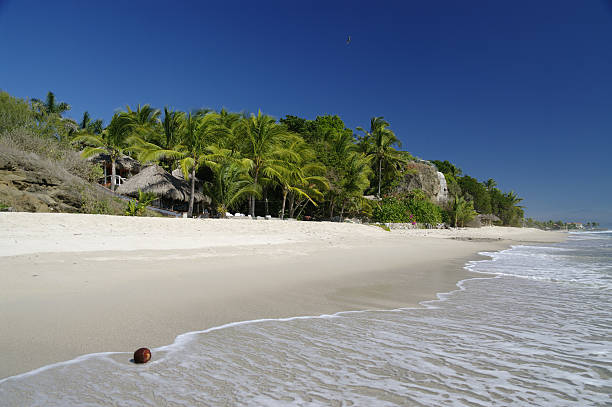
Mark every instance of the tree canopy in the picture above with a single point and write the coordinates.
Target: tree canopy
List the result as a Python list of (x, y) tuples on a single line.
[(293, 166)]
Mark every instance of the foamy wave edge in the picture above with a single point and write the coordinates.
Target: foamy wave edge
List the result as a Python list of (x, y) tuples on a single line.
[(185, 337)]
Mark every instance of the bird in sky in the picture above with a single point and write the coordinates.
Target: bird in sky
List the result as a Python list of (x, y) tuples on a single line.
[(348, 40)]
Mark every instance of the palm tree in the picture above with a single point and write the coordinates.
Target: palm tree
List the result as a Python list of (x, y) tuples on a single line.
[(297, 172), (262, 138), (231, 183), (86, 120), (340, 149), (168, 146), (312, 186), (513, 199), (50, 106), (172, 125), (113, 141), (199, 128), (48, 114), (378, 143), (463, 211), (490, 184), (89, 126), (356, 178), (143, 122)]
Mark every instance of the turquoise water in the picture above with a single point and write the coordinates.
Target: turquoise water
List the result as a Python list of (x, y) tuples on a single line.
[(535, 332)]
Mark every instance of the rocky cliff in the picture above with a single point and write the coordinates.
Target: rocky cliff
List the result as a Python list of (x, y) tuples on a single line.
[(31, 183), (425, 176)]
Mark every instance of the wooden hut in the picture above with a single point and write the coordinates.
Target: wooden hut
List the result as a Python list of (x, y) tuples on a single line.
[(125, 167), (199, 185), (171, 192), (178, 173), (487, 220)]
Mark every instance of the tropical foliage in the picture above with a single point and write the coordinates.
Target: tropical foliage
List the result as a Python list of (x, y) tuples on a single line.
[(461, 211), (114, 141), (560, 225), (484, 197), (137, 207), (413, 207), (292, 167), (378, 143)]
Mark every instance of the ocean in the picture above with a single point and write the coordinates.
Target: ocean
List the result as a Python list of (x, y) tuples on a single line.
[(535, 329)]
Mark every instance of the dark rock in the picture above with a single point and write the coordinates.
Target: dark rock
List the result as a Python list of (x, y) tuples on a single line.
[(142, 355)]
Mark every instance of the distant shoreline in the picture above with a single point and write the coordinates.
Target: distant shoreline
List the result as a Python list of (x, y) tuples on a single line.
[(79, 284)]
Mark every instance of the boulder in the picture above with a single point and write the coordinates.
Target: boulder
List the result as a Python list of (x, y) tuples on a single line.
[(426, 177)]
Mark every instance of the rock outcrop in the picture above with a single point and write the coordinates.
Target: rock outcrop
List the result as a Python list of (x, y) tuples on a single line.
[(425, 176), (29, 183)]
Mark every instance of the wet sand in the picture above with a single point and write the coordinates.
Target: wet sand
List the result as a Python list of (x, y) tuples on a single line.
[(77, 284)]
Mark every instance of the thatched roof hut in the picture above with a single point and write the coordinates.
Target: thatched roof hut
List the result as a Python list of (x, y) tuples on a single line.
[(160, 182), (124, 162), (178, 173), (488, 219)]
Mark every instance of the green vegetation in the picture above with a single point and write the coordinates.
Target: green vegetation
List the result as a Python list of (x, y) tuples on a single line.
[(231, 184), (461, 211), (99, 205), (411, 208), (138, 207), (560, 225), (382, 226), (378, 143), (254, 163), (484, 198)]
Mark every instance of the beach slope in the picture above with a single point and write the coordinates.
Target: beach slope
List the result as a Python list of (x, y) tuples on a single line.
[(77, 284)]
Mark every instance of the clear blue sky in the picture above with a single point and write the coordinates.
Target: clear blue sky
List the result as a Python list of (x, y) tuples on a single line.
[(519, 91)]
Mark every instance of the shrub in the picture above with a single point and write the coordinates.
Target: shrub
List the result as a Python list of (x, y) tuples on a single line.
[(97, 203), (382, 226), (425, 211), (57, 151), (461, 211), (414, 207), (391, 210), (139, 207), (15, 113)]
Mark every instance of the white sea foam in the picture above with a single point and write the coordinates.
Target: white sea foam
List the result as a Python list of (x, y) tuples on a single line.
[(539, 339)]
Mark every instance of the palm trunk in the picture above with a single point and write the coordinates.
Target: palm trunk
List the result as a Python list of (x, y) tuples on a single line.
[(379, 175), (265, 193), (252, 209), (282, 216), (342, 211), (113, 174), (331, 209), (191, 198), (291, 206), (301, 208)]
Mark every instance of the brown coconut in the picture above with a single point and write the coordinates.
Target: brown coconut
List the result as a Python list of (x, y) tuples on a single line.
[(142, 355)]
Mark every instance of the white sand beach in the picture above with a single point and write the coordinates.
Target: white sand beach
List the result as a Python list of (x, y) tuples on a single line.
[(76, 284)]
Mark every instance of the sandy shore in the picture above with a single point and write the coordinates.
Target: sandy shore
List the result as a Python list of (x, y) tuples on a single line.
[(77, 284)]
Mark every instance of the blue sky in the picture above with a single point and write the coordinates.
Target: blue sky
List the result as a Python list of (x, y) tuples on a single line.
[(518, 91)]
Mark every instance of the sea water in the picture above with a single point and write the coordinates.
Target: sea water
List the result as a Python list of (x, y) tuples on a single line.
[(534, 330)]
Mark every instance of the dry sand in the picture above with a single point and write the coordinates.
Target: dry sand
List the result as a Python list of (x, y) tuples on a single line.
[(77, 284)]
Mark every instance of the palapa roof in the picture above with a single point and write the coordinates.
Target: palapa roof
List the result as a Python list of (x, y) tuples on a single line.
[(178, 173), (126, 162), (490, 217), (160, 182)]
